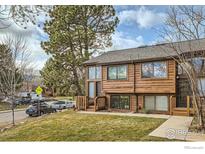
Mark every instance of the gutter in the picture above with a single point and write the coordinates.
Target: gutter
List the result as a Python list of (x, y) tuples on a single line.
[(134, 89)]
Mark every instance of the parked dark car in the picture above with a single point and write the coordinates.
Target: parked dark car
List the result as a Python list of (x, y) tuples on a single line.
[(32, 110)]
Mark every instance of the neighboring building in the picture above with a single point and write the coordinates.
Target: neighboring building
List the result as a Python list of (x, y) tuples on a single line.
[(143, 79)]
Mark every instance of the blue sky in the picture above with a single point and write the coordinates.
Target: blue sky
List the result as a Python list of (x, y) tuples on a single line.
[(137, 27)]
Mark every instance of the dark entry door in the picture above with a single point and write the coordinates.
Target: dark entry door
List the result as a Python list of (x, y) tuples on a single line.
[(98, 88), (183, 90)]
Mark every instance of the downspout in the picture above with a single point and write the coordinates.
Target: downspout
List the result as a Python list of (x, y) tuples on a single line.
[(134, 89)]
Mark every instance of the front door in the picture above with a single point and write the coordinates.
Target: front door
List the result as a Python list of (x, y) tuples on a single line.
[(98, 88)]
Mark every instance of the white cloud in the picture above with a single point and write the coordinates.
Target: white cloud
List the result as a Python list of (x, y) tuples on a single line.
[(121, 41), (143, 17), (33, 35)]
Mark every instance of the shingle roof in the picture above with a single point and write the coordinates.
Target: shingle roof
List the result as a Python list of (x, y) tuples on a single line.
[(146, 53)]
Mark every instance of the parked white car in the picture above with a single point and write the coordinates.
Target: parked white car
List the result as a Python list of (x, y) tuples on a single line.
[(62, 104)]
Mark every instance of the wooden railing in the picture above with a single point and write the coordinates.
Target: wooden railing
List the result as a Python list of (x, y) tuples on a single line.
[(99, 103), (81, 102)]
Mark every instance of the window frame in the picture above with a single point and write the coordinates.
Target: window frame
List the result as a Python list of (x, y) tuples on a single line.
[(153, 68), (155, 102), (120, 104), (88, 74), (117, 67), (201, 91)]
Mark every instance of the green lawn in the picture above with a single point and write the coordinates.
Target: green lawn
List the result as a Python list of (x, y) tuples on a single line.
[(72, 126), (63, 97), (6, 106)]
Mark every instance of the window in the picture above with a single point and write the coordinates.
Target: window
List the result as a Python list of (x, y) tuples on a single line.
[(91, 90), (198, 64), (117, 72), (179, 69), (112, 73), (156, 103), (192, 63), (201, 86), (120, 102), (154, 70), (94, 73), (161, 103), (149, 102)]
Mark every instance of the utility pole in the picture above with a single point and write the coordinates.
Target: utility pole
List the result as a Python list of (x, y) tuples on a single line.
[(38, 92), (38, 106)]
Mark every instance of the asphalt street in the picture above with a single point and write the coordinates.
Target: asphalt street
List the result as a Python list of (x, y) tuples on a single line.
[(6, 118)]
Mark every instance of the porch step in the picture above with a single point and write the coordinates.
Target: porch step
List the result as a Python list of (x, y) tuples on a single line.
[(180, 111), (90, 108)]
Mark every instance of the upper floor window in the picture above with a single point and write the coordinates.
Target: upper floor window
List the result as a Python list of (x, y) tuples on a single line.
[(201, 86), (94, 73), (117, 72), (154, 70), (196, 64)]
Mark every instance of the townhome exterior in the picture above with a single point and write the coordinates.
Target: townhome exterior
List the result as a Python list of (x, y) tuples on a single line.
[(146, 79)]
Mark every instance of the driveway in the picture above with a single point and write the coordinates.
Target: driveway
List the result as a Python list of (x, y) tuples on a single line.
[(6, 117)]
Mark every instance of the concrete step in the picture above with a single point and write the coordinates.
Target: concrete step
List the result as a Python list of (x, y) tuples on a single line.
[(91, 107), (180, 113)]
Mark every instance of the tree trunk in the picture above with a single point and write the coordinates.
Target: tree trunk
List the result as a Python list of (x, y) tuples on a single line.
[(76, 82)]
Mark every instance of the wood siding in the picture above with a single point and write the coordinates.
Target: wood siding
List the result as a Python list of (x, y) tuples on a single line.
[(164, 85), (118, 86), (142, 85)]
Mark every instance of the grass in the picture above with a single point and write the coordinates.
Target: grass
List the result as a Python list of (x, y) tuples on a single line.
[(63, 97), (72, 126), (6, 106)]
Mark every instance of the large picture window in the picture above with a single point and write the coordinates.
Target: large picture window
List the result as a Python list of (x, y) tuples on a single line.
[(156, 103), (154, 70), (120, 102), (94, 73), (117, 72)]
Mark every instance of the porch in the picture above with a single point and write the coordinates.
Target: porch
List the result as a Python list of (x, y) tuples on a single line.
[(83, 103), (96, 104), (187, 109)]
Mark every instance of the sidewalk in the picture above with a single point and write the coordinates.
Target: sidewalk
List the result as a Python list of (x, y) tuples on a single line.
[(177, 127), (129, 114)]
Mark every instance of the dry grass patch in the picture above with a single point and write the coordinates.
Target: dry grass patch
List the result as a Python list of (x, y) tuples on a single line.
[(72, 126)]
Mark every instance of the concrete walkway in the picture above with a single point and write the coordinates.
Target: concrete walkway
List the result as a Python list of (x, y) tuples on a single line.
[(176, 127), (129, 114)]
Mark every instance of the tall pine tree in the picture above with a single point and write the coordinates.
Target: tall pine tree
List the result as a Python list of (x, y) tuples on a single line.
[(76, 33)]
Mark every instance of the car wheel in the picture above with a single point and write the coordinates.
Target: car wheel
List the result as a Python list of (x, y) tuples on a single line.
[(41, 113), (30, 115)]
